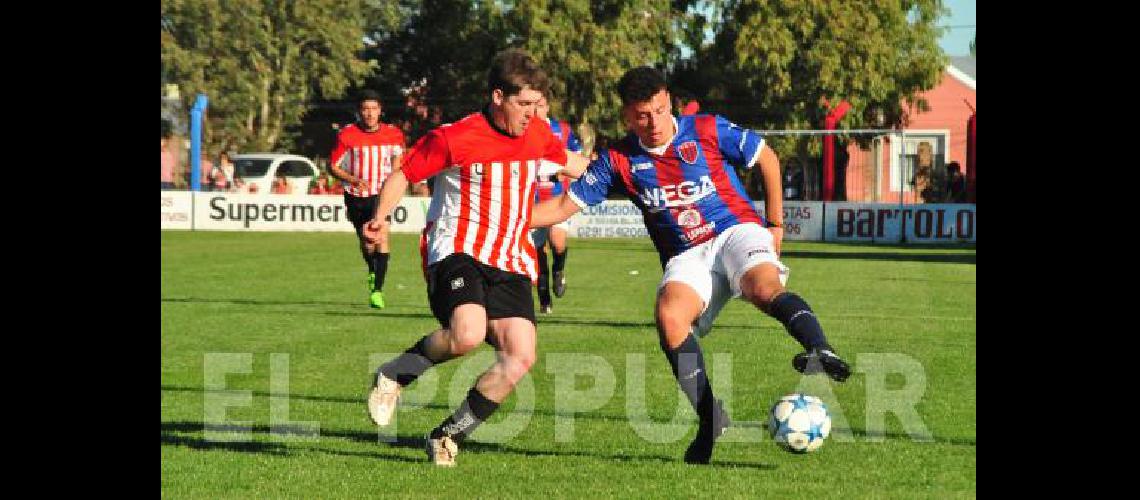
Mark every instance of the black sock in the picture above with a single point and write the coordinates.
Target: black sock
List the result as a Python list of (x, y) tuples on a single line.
[(543, 278), (474, 411), (688, 364), (380, 267), (370, 261), (800, 321), (560, 260), (407, 367)]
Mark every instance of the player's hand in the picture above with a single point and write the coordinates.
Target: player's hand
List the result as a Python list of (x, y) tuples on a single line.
[(376, 230), (361, 186), (777, 238)]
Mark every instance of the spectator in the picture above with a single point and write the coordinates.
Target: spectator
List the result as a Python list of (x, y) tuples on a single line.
[(207, 169), (955, 183), (281, 186), (167, 165), (223, 172), (320, 185), (793, 183), (238, 186)]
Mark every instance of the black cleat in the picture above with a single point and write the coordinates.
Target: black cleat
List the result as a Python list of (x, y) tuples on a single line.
[(822, 360), (700, 451), (559, 284), (547, 309)]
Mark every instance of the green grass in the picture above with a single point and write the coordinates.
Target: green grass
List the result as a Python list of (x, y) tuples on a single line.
[(303, 295)]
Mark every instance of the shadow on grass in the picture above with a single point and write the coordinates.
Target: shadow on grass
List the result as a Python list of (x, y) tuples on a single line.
[(863, 435), (172, 435)]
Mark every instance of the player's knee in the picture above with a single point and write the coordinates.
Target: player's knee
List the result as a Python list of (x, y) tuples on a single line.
[(761, 285), (761, 294), (517, 366), (465, 339), (673, 326), (523, 363)]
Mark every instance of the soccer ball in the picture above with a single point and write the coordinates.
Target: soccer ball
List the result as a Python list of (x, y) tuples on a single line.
[(799, 423)]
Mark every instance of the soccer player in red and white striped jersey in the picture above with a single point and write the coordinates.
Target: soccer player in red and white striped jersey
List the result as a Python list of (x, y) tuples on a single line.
[(481, 263), (364, 157)]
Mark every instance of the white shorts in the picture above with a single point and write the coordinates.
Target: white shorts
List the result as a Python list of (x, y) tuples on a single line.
[(564, 225), (714, 268)]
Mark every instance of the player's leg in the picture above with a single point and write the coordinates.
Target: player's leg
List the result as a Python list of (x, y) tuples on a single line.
[(512, 330), (686, 287), (378, 254), (457, 298), (558, 245), (750, 260), (539, 237), (357, 214)]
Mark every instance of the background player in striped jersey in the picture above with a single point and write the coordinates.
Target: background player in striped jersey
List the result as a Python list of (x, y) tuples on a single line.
[(552, 186), (481, 265), (363, 159), (712, 243)]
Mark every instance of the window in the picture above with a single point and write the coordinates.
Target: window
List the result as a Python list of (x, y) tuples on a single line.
[(918, 158), (294, 168), (247, 168)]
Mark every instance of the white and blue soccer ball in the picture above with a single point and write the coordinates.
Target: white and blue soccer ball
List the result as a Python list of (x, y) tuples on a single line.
[(799, 423)]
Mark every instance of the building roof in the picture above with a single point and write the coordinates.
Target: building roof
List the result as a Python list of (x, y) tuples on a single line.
[(964, 68)]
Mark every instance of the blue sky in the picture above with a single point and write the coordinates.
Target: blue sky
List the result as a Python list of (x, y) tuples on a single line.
[(956, 41)]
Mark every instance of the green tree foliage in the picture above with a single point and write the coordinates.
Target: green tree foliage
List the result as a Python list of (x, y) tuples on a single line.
[(261, 62), (586, 46), (780, 64)]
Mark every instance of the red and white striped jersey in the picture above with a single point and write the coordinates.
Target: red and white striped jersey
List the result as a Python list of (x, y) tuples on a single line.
[(484, 193), (367, 155)]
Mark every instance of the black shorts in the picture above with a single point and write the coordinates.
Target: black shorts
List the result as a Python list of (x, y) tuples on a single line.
[(360, 210), (460, 279)]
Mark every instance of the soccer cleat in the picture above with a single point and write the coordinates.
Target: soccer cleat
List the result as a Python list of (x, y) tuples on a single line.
[(376, 300), (547, 309), (822, 360), (700, 450), (382, 400), (442, 451), (559, 284)]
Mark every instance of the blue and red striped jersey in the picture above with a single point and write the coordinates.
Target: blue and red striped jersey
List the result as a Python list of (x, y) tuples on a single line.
[(689, 192)]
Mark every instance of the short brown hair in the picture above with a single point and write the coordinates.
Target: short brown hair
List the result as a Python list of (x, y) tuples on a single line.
[(513, 69)]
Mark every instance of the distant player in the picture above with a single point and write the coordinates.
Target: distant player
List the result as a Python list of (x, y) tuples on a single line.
[(551, 186), (712, 243), (363, 158)]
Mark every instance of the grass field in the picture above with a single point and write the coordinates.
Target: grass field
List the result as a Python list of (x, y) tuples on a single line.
[(291, 309)]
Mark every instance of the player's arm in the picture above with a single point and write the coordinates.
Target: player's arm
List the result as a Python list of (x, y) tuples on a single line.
[(769, 165), (390, 194), (553, 211), (335, 159), (575, 165), (589, 190)]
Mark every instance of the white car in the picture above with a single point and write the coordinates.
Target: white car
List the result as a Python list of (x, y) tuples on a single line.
[(262, 168)]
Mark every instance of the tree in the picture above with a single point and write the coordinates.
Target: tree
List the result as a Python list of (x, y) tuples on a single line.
[(780, 64), (261, 62), (586, 46)]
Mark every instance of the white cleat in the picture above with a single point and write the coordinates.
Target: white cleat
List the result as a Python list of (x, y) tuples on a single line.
[(442, 451), (382, 400)]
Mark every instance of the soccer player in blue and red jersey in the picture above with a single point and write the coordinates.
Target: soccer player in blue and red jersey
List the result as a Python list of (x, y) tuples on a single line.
[(712, 243), (552, 186)]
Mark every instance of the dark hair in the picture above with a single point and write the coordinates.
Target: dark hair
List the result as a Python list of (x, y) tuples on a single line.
[(954, 166), (367, 95), (513, 69), (640, 85)]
